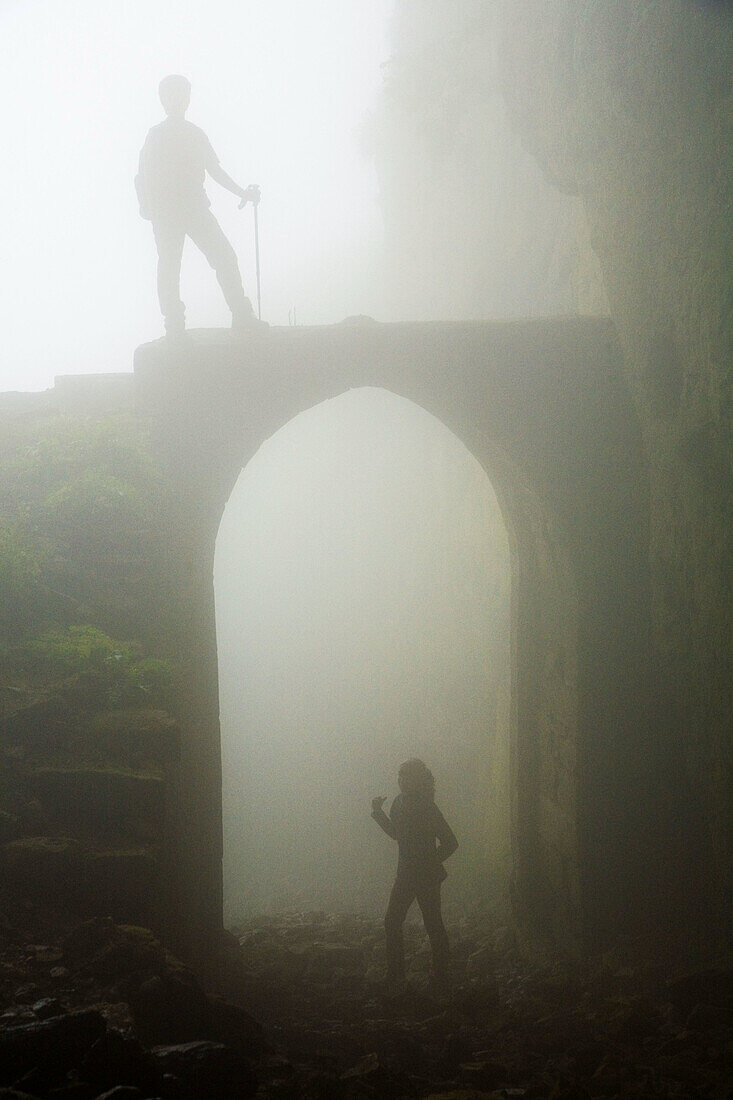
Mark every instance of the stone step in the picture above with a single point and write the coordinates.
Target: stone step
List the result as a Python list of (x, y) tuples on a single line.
[(47, 729), (105, 803), (123, 883), (139, 737)]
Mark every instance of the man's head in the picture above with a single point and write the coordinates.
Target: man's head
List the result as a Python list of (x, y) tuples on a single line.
[(175, 95)]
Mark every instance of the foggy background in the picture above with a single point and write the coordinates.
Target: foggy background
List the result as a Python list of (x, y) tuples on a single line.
[(362, 591)]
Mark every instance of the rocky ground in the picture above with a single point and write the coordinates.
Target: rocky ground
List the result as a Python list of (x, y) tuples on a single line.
[(104, 1010)]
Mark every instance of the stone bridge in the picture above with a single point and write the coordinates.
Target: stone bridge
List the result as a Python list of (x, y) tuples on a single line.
[(542, 405)]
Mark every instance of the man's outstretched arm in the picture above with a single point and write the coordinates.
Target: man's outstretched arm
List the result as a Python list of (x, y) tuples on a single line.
[(251, 194)]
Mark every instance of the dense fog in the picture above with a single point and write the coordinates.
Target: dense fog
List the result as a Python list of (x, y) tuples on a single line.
[(472, 225), (362, 587)]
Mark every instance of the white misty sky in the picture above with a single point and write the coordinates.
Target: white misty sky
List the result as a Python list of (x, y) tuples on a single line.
[(282, 88)]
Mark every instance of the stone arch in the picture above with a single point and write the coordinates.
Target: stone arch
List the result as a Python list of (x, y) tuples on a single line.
[(543, 409)]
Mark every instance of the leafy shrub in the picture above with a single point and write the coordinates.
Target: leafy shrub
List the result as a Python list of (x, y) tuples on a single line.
[(76, 649), (44, 455), (83, 536), (152, 675), (92, 509), (127, 675)]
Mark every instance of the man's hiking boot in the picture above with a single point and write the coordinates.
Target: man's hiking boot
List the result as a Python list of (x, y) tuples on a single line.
[(175, 327), (245, 321), (244, 326)]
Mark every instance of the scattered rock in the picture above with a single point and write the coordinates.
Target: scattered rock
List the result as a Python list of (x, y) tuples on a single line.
[(209, 1070), (55, 1045), (26, 993), (87, 937), (76, 1091), (117, 1059), (232, 1025), (503, 1030), (9, 827), (170, 1008), (43, 953), (33, 818), (126, 949), (479, 963), (710, 986), (122, 1092), (46, 1007), (324, 959), (707, 1017)]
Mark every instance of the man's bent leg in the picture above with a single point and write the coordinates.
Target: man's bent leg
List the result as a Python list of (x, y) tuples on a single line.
[(400, 900), (428, 898), (206, 233), (169, 238)]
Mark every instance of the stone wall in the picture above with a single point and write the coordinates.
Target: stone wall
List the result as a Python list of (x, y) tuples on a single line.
[(543, 407)]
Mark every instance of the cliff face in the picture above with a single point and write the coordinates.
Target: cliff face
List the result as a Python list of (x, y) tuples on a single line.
[(472, 227), (628, 106)]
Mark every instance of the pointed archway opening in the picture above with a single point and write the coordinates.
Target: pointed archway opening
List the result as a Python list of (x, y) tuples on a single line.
[(362, 579)]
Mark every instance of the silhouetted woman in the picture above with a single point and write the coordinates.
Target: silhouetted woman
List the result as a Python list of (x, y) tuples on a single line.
[(416, 823)]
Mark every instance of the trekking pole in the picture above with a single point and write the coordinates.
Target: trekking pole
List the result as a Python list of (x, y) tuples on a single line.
[(255, 205)]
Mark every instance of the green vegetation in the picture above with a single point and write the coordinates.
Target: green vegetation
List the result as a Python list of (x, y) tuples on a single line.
[(123, 672), (82, 534), (20, 580)]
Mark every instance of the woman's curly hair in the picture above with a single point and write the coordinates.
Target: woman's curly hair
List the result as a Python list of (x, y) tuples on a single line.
[(414, 777)]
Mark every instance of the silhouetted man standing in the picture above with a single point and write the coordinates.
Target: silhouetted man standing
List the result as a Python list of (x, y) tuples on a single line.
[(170, 187)]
